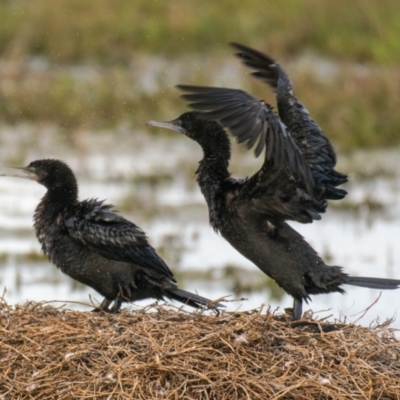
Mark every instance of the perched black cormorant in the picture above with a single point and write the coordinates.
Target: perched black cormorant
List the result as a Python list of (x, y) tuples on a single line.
[(92, 244), (294, 182)]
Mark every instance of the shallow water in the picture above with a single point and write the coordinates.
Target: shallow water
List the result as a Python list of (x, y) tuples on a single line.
[(362, 235)]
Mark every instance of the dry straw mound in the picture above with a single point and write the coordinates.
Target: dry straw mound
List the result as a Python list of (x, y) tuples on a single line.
[(50, 353)]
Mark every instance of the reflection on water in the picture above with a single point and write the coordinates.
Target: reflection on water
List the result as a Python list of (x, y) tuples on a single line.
[(154, 186)]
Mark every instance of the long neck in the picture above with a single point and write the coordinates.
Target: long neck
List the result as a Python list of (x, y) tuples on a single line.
[(53, 202), (213, 171)]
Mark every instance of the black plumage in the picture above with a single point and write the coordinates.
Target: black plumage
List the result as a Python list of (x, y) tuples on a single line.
[(94, 245), (297, 152), (250, 214), (314, 145)]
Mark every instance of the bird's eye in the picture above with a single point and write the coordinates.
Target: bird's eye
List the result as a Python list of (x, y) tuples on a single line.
[(32, 169), (179, 122)]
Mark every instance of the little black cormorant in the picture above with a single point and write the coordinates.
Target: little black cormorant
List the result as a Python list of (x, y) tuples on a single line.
[(295, 181), (94, 245)]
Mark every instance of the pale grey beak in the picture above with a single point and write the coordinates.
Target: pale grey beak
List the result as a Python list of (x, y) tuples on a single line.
[(18, 172), (174, 125)]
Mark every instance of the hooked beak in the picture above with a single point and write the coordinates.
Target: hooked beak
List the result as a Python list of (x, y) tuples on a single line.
[(18, 172), (173, 125)]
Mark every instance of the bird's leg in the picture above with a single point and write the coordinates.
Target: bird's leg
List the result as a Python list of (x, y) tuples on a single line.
[(117, 305), (124, 294), (297, 309), (103, 306)]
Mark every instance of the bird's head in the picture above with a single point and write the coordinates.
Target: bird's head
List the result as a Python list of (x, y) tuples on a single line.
[(50, 173), (190, 124)]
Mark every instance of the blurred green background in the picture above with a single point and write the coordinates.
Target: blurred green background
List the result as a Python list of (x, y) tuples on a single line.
[(96, 64)]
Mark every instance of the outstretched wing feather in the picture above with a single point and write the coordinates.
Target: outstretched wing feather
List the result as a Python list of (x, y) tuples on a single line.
[(315, 146)]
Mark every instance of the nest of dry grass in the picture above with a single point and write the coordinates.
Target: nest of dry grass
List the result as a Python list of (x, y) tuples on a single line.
[(53, 353)]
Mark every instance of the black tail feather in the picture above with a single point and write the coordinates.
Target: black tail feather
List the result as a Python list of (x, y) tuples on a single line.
[(373, 283), (192, 299), (334, 193)]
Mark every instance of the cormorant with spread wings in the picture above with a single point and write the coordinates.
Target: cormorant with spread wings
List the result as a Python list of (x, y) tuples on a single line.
[(294, 183)]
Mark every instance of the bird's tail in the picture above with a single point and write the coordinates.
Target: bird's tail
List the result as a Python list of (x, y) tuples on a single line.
[(373, 283), (192, 299)]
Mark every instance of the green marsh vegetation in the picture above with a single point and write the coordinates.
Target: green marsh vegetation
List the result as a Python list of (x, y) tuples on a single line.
[(96, 64), (109, 32)]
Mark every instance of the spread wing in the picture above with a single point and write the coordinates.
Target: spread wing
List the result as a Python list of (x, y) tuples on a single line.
[(98, 227), (284, 186), (251, 121), (315, 146), (280, 194)]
